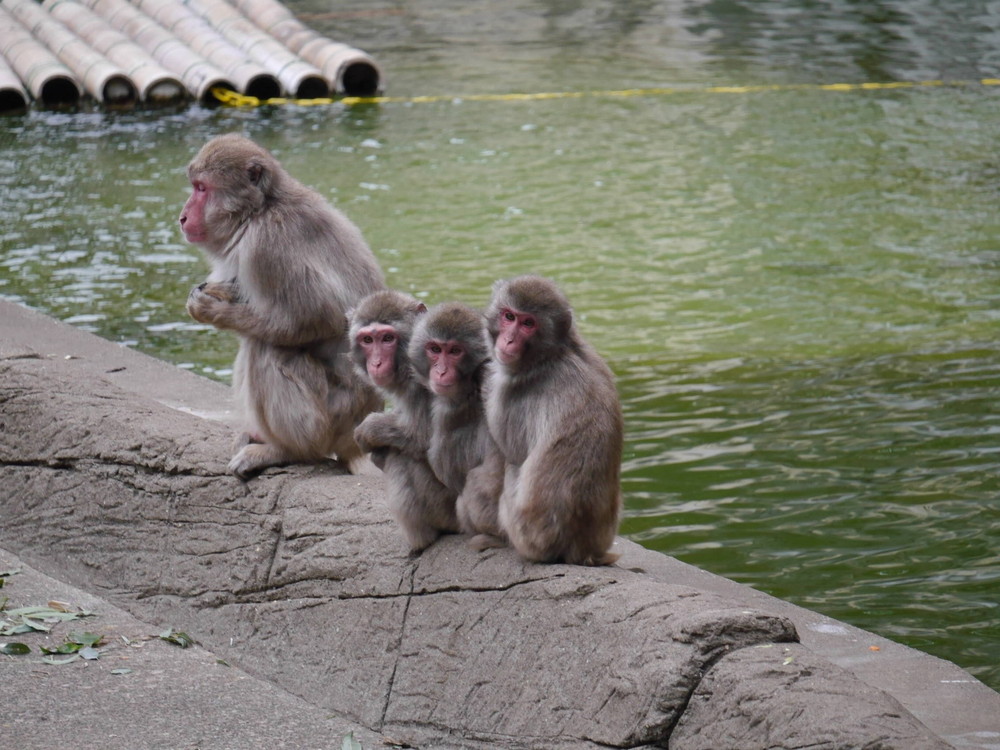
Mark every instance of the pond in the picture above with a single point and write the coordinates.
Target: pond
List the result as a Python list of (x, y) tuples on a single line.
[(796, 285)]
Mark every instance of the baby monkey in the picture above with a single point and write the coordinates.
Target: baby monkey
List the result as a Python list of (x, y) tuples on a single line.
[(451, 357), (380, 330)]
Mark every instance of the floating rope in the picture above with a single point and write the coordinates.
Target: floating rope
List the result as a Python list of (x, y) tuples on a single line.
[(234, 99)]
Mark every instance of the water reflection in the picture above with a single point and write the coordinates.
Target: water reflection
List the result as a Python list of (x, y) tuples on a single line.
[(798, 291)]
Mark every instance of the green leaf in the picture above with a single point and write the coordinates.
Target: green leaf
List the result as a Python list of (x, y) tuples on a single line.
[(14, 649), (63, 648), (177, 638), (12, 629), (121, 670), (59, 662), (90, 653), (76, 643), (32, 624), (85, 638), (350, 743)]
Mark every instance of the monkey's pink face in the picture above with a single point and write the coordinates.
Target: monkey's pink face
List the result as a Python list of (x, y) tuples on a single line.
[(193, 214), (445, 358), (516, 328), (379, 344)]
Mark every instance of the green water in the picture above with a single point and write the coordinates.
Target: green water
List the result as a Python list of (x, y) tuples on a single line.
[(797, 289)]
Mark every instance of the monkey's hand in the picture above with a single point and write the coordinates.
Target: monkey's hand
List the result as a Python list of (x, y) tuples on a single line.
[(211, 302), (383, 430)]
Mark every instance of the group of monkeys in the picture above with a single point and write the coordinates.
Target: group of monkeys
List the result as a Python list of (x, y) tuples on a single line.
[(505, 424)]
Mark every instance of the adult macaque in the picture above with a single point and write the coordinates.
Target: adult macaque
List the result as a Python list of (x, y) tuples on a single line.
[(381, 327), (286, 266), (553, 410), (451, 356)]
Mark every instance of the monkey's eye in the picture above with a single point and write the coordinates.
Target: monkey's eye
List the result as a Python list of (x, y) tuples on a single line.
[(199, 186), (367, 340), (509, 316), (434, 348), (528, 322), (388, 338), (456, 351)]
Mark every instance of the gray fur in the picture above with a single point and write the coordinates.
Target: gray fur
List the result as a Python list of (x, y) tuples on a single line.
[(557, 420), (293, 266)]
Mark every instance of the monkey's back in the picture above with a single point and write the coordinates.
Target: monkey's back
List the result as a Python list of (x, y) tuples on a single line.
[(563, 433)]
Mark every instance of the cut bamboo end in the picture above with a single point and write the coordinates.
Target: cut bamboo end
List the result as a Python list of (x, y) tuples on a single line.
[(119, 90), (163, 51), (13, 99), (44, 76), (13, 96)]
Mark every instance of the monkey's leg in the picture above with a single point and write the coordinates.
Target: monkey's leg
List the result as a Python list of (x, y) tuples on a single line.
[(253, 458), (422, 506)]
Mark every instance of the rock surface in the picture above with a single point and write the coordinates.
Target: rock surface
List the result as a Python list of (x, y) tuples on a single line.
[(300, 578)]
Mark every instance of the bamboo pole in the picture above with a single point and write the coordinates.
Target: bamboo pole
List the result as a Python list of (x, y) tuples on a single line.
[(13, 95), (48, 80), (349, 70), (155, 83), (198, 74), (299, 78), (250, 77), (101, 78)]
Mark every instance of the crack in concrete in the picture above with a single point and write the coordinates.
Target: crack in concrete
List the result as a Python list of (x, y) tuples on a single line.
[(80, 463), (398, 645)]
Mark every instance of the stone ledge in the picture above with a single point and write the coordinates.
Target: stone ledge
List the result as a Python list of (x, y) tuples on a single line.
[(301, 579)]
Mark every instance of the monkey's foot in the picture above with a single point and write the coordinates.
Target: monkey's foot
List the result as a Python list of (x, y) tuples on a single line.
[(253, 458), (482, 542)]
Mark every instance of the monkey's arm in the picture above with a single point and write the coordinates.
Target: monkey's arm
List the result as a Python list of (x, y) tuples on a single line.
[(477, 505), (303, 318), (386, 430)]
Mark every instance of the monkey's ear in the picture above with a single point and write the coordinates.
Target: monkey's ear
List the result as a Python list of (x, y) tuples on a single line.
[(420, 308), (259, 175)]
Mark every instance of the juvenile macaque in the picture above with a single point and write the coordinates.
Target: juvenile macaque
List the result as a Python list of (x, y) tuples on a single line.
[(286, 266), (451, 356), (553, 410), (380, 331)]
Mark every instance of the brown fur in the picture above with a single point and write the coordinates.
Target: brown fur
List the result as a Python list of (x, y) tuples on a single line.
[(461, 452), (286, 268), (556, 418), (423, 507)]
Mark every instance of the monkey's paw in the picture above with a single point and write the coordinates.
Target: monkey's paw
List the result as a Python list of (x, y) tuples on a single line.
[(253, 458), (209, 301)]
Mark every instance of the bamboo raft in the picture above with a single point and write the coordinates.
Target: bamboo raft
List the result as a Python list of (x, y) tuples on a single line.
[(121, 52)]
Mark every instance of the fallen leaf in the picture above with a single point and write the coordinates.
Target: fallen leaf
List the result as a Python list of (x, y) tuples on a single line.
[(14, 649), (177, 638), (59, 662)]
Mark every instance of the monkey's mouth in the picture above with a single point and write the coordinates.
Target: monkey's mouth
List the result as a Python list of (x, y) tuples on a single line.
[(443, 389), (195, 238)]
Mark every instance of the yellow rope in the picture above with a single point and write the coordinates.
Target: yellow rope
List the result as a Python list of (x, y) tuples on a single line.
[(234, 99)]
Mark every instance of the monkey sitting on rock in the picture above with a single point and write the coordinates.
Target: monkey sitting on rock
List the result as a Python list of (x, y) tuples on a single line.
[(286, 267), (528, 441), (553, 410), (506, 427)]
